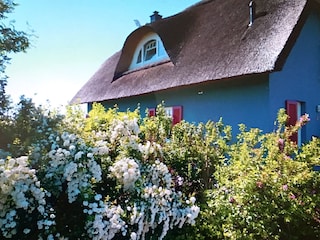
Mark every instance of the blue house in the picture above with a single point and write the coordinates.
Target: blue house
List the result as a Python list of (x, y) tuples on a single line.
[(239, 60)]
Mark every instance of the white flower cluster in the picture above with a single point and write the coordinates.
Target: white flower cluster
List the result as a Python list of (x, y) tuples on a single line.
[(72, 163), (161, 203), (150, 148), (19, 189), (163, 210), (126, 171), (125, 131), (158, 205), (158, 174), (107, 219), (101, 148)]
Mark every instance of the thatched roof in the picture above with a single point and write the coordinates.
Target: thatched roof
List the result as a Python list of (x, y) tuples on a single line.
[(208, 41)]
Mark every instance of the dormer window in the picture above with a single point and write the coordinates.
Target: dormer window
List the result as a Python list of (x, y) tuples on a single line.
[(150, 50)]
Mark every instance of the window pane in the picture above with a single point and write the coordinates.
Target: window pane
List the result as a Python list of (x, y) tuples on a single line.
[(139, 57), (150, 50), (149, 54)]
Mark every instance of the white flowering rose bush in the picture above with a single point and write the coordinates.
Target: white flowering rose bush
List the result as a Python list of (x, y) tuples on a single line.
[(69, 171), (23, 206), (148, 206), (101, 177), (144, 201), (71, 166)]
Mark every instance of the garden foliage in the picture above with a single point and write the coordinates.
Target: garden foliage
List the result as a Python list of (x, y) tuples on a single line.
[(115, 175), (11, 41), (266, 188), (25, 125)]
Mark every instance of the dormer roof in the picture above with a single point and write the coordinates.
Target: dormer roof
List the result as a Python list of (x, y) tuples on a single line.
[(130, 47), (208, 41)]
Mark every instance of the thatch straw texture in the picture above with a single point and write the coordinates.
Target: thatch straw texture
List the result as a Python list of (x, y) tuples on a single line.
[(206, 42)]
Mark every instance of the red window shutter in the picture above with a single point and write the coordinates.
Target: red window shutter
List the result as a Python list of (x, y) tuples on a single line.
[(292, 112), (176, 114), (152, 112)]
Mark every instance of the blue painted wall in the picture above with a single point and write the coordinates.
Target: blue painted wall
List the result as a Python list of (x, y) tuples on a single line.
[(299, 79), (242, 100)]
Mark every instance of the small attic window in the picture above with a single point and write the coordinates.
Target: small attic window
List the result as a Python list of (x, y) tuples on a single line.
[(150, 50)]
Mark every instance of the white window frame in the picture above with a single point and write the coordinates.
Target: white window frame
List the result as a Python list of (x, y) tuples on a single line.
[(159, 56), (150, 46), (169, 111)]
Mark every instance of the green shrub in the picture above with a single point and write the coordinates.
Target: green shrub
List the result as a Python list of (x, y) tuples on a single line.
[(267, 189), (26, 125)]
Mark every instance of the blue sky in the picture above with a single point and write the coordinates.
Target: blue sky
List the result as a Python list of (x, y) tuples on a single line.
[(72, 38)]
